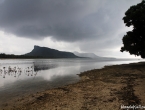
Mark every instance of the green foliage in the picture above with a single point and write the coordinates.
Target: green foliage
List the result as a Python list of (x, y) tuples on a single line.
[(134, 41)]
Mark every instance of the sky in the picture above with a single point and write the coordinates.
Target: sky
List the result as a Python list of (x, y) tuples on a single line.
[(91, 26)]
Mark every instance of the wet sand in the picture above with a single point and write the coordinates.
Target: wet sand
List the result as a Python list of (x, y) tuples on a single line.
[(100, 89)]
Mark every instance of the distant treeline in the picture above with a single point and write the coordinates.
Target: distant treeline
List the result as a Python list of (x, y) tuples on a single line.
[(3, 55)]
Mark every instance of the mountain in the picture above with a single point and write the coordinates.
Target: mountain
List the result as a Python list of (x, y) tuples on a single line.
[(92, 55), (45, 52)]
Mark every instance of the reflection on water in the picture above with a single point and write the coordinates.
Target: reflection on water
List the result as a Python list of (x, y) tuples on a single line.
[(24, 76), (43, 66), (48, 69)]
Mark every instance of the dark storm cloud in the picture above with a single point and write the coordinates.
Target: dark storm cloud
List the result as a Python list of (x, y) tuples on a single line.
[(64, 20)]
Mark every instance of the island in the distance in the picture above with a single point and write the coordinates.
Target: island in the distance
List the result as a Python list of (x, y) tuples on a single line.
[(42, 52), (45, 52)]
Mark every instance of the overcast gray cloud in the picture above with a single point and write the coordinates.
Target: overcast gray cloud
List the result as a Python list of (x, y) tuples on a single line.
[(63, 20)]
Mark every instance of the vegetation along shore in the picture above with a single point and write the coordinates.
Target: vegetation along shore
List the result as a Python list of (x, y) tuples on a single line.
[(108, 88)]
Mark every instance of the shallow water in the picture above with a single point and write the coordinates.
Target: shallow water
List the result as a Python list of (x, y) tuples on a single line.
[(25, 76)]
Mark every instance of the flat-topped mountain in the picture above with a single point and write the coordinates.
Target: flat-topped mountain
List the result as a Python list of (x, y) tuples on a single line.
[(45, 52)]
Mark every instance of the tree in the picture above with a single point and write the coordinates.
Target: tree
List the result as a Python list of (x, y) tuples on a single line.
[(134, 41)]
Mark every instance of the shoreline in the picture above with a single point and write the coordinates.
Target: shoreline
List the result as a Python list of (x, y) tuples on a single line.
[(104, 89)]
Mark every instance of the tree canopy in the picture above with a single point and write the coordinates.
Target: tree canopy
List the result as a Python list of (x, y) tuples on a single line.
[(134, 41)]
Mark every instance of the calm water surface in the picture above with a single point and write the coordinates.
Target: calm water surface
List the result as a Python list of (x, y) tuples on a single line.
[(25, 76)]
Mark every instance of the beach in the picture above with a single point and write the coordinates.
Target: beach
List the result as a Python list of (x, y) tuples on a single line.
[(109, 88)]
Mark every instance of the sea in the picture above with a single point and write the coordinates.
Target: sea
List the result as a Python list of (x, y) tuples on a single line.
[(19, 77)]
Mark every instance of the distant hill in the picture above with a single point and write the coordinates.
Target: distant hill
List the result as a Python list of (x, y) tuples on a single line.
[(45, 52), (92, 55)]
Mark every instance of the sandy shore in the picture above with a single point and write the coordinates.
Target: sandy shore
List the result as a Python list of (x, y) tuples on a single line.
[(99, 89)]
